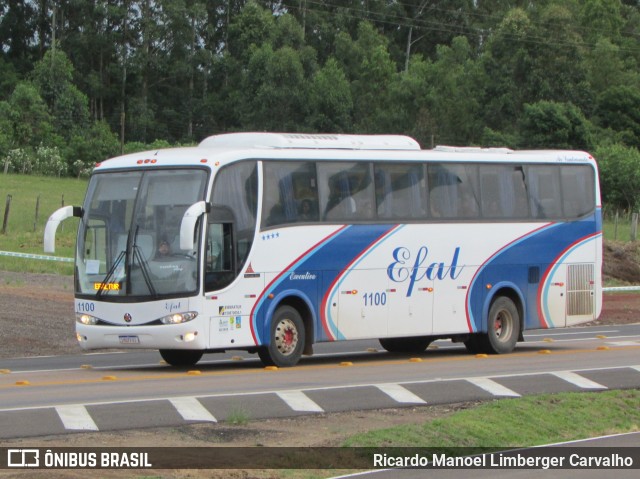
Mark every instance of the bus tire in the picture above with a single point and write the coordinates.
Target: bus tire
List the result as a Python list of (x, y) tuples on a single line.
[(405, 345), (503, 327), (181, 357), (286, 340)]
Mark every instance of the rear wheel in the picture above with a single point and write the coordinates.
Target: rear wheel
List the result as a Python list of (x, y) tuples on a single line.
[(286, 341), (504, 326), (181, 357), (405, 345), (503, 329)]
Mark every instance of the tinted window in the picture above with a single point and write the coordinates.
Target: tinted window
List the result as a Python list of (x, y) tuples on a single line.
[(453, 191), (577, 190), (400, 191), (504, 194), (345, 191), (290, 193), (545, 198)]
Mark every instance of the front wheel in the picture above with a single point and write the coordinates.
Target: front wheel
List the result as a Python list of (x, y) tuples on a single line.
[(181, 357), (286, 340)]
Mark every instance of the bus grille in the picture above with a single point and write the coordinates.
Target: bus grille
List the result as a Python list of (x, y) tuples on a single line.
[(580, 280)]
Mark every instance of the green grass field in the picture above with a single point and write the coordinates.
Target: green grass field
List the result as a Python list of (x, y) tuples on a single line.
[(20, 235), (522, 422)]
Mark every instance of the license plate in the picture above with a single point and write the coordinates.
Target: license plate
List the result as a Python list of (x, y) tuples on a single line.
[(129, 340)]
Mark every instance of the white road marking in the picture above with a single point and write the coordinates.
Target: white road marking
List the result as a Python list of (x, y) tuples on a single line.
[(623, 343), (400, 394), (192, 410), (299, 401), (578, 380), (493, 387), (76, 417)]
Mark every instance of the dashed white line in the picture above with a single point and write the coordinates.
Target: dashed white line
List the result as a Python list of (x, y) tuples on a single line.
[(493, 387), (299, 401), (76, 417), (578, 380), (192, 410), (400, 394)]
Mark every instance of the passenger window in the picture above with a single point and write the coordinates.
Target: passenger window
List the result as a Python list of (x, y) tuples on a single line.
[(577, 190), (544, 191), (290, 193), (400, 191), (346, 191), (453, 191), (503, 192)]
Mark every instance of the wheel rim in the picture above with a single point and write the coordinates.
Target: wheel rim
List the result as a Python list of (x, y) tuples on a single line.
[(286, 337), (502, 325)]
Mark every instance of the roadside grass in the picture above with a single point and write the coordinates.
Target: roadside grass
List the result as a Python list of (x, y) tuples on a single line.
[(499, 425), (20, 236), (521, 422)]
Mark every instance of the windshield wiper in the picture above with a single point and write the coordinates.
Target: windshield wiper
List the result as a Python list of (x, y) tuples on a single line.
[(144, 266), (107, 278)]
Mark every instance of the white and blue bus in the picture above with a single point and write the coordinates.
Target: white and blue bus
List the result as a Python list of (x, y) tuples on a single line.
[(274, 242)]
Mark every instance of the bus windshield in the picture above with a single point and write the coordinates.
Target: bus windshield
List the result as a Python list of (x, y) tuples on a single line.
[(128, 241)]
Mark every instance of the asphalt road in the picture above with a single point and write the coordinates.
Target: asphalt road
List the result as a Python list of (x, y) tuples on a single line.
[(115, 391)]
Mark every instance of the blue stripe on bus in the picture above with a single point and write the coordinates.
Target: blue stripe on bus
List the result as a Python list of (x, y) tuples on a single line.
[(540, 249), (327, 262)]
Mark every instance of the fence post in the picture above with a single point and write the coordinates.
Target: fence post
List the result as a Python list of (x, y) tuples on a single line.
[(6, 214), (35, 222), (615, 229), (634, 226)]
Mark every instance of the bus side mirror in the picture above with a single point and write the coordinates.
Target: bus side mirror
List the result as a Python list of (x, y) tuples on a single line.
[(52, 225), (188, 224)]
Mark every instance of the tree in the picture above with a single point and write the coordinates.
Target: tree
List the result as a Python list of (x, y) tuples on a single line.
[(330, 102), (274, 95), (67, 105), (548, 124), (30, 120), (618, 108), (87, 148), (455, 91), (619, 175), (370, 70)]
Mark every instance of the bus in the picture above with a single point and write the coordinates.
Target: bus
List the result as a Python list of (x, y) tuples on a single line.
[(273, 242)]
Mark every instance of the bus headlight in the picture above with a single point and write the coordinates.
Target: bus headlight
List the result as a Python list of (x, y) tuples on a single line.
[(178, 318), (86, 319)]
